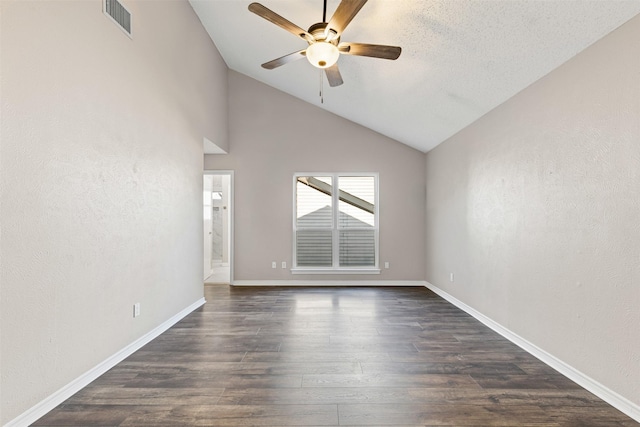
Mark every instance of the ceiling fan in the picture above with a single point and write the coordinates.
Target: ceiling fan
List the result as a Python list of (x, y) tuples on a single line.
[(324, 40)]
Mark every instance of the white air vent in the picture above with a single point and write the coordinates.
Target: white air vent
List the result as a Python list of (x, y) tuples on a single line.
[(117, 12)]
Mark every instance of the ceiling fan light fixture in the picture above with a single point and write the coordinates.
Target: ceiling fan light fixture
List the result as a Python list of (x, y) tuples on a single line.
[(322, 54)]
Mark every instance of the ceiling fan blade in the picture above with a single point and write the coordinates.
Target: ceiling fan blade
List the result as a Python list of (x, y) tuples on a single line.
[(333, 75), (372, 50), (284, 60), (345, 12), (273, 17)]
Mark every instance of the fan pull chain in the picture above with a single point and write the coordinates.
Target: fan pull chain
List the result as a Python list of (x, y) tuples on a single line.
[(321, 88)]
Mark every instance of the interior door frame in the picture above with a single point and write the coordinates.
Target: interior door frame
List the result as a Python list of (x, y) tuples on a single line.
[(231, 210)]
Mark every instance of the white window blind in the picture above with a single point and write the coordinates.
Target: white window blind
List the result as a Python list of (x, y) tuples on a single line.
[(335, 222), (314, 221)]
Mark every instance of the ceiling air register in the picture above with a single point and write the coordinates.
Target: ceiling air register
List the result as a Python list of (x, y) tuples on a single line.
[(119, 14)]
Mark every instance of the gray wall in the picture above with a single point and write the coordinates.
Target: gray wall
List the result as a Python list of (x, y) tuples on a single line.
[(272, 136), (101, 180), (536, 209)]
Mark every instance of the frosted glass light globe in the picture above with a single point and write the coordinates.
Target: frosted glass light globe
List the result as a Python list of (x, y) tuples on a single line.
[(322, 54)]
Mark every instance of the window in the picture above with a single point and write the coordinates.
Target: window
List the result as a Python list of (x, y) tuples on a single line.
[(335, 223)]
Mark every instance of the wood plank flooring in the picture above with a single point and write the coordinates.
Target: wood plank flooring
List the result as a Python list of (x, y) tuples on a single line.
[(329, 357)]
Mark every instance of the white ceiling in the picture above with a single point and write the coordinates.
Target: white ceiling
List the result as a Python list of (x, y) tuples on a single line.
[(460, 58)]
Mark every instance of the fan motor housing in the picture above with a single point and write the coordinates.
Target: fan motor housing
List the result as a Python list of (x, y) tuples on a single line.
[(318, 32)]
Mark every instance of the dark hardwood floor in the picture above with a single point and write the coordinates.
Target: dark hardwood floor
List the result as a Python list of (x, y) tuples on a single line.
[(328, 357)]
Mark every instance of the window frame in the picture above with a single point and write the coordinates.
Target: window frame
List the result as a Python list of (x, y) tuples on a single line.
[(335, 228)]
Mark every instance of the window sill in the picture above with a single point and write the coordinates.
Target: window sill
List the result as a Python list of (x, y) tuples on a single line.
[(302, 270)]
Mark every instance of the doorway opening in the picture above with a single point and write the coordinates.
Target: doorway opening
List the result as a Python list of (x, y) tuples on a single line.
[(218, 226)]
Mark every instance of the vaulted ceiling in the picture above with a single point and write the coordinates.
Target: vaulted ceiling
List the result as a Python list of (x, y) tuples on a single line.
[(460, 58)]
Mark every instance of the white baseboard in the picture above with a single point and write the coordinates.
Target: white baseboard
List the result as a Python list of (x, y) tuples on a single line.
[(39, 410), (341, 283), (611, 397)]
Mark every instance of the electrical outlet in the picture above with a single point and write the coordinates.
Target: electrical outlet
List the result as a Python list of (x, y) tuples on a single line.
[(273, 264), (284, 264), (136, 309), (451, 277), (386, 264)]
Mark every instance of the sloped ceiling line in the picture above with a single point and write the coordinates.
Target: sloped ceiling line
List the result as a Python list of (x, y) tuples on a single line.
[(460, 59)]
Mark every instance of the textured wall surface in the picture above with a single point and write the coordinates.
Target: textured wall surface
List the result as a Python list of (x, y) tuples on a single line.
[(536, 209), (101, 178), (272, 136)]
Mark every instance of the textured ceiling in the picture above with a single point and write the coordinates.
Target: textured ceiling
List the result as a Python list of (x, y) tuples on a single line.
[(460, 58)]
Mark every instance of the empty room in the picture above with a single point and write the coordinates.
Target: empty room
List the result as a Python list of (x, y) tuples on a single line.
[(430, 213)]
